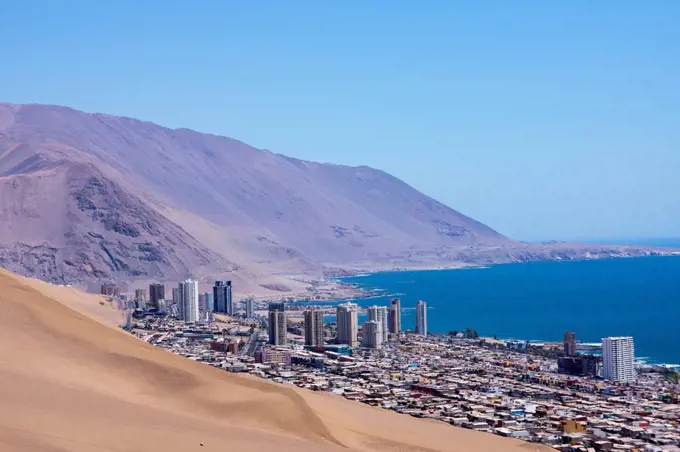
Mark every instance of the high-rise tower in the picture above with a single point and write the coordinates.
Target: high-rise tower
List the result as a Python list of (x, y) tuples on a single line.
[(395, 316), (250, 308), (156, 292), (209, 304), (379, 314), (314, 327), (222, 297), (188, 300), (421, 318), (372, 334), (347, 321), (569, 343), (618, 354), (277, 327)]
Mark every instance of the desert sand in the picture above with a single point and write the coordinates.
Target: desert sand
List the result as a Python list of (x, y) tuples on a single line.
[(70, 381)]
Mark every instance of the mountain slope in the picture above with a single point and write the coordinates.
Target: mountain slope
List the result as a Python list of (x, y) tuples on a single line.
[(252, 207), (96, 388), (68, 222)]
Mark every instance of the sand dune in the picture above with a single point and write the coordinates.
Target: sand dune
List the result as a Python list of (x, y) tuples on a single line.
[(70, 382)]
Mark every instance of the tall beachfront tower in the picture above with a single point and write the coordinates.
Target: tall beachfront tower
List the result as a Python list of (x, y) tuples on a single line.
[(314, 327), (222, 297), (348, 324), (569, 343), (421, 318), (277, 327), (188, 300), (395, 316), (379, 314), (618, 354), (250, 307)]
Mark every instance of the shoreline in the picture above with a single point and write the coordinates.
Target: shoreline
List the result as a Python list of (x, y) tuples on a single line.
[(644, 360), (352, 291), (463, 266)]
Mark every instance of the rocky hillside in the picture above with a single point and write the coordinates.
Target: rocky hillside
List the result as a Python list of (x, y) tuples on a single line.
[(68, 222)]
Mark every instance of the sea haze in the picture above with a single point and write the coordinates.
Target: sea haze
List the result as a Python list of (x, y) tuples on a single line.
[(636, 297)]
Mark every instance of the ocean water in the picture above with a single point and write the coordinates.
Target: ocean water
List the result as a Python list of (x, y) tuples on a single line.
[(637, 297)]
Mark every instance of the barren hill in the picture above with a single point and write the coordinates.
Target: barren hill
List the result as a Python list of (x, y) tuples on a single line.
[(88, 195), (71, 383), (92, 196)]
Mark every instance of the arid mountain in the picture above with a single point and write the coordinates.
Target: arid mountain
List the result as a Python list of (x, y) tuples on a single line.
[(91, 196), (72, 383), (68, 221)]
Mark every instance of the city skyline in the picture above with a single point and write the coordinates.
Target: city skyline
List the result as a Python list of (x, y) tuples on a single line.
[(380, 314), (618, 353), (531, 365)]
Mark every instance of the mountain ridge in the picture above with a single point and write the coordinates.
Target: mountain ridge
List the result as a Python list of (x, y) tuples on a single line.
[(223, 206)]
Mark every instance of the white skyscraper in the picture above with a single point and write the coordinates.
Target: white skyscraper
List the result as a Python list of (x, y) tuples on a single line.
[(379, 314), (421, 318), (188, 300), (372, 334), (250, 307), (348, 326), (618, 354)]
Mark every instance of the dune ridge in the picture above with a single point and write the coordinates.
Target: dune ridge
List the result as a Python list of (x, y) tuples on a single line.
[(71, 382)]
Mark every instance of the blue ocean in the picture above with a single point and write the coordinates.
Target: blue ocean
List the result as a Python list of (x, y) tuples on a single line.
[(637, 297)]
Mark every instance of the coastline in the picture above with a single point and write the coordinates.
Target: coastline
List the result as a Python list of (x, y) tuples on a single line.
[(335, 287), (355, 286), (650, 359), (368, 270)]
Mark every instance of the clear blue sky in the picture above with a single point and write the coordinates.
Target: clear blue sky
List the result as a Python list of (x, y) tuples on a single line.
[(543, 119)]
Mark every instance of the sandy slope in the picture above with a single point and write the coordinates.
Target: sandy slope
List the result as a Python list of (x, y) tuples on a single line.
[(69, 382)]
